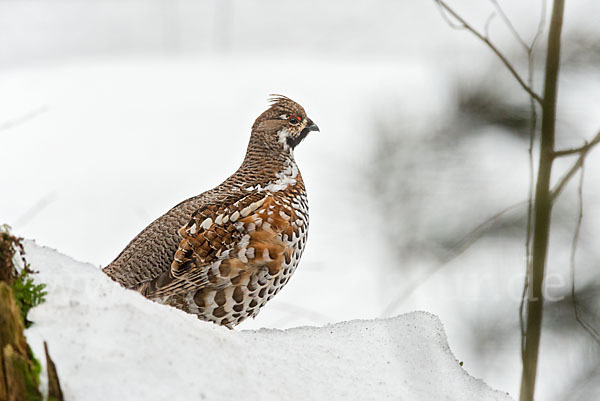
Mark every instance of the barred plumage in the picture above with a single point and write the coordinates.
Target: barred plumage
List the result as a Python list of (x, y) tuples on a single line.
[(224, 253)]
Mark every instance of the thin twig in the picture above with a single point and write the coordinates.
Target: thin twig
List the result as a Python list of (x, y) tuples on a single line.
[(584, 148), (540, 29), (522, 308), (450, 23), (565, 179), (465, 25), (486, 27), (510, 26), (578, 316), (569, 174)]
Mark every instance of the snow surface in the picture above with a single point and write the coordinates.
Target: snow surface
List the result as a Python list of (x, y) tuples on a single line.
[(111, 344)]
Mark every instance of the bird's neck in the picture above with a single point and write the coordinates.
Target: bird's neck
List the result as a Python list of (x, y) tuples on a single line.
[(267, 167), (270, 155)]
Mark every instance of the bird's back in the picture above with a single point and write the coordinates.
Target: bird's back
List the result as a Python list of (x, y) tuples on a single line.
[(151, 252)]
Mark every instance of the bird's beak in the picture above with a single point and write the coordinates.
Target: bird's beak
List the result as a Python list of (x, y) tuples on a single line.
[(310, 126)]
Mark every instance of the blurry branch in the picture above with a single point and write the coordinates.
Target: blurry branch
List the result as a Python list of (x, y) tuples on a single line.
[(465, 243), (23, 119), (487, 225), (486, 27), (34, 210), (474, 235), (578, 315), (509, 24), (445, 8), (582, 386)]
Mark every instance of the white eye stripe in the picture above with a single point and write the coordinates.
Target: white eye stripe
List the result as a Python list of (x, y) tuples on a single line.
[(283, 116)]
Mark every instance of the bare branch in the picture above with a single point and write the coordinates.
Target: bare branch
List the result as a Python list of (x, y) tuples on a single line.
[(587, 326), (584, 148), (576, 166), (578, 315), (532, 130), (465, 25), (542, 207)]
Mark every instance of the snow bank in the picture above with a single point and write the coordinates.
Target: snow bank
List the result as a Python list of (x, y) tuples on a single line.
[(112, 344)]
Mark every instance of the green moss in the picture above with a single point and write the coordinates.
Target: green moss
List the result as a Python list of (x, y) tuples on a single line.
[(27, 294)]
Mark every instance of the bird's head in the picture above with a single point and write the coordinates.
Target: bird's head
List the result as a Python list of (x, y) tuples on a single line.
[(283, 125)]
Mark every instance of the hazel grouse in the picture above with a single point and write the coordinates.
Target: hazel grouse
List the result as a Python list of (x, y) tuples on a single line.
[(223, 254)]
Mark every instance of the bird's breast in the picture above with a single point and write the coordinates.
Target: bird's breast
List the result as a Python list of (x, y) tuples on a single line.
[(269, 239)]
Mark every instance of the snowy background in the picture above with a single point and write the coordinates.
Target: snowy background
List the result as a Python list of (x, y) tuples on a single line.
[(423, 136)]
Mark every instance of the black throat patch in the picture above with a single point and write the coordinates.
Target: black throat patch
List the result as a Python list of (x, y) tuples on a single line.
[(294, 141)]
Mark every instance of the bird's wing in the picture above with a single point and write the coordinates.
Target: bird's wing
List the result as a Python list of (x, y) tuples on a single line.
[(225, 244), (151, 252)]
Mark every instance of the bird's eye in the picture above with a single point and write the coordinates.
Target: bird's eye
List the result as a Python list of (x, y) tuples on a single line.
[(294, 120)]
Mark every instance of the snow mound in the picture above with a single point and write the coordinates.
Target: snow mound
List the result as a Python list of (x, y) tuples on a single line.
[(112, 344)]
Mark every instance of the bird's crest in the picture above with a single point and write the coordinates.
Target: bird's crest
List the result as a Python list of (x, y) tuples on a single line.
[(285, 103), (275, 98)]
